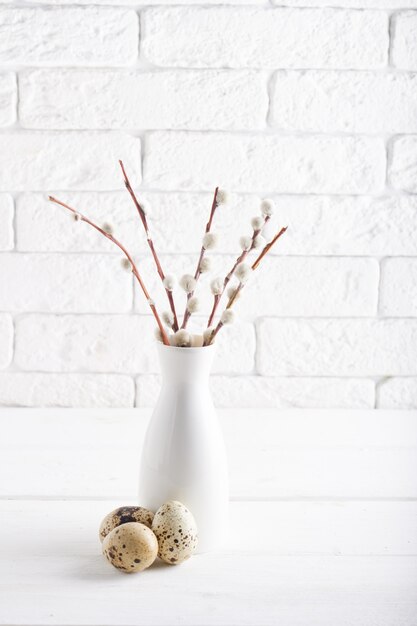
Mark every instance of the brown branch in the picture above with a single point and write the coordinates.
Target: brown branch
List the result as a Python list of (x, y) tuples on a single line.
[(235, 295), (197, 273), (159, 269), (255, 265), (133, 196), (213, 334), (240, 286), (135, 270), (213, 209), (228, 277), (268, 247)]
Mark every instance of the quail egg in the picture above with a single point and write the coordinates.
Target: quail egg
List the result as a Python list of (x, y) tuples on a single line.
[(176, 531), (131, 547), (123, 515)]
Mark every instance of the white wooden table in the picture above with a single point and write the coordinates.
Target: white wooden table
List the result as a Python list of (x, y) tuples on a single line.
[(324, 522)]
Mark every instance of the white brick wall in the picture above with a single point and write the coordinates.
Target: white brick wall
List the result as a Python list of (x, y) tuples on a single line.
[(347, 347), (64, 283), (191, 99), (404, 48), (311, 102), (265, 162), (265, 37), (41, 161), (403, 169), (68, 36), (7, 99), (353, 102)]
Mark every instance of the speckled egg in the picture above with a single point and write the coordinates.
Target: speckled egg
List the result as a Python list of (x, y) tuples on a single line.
[(176, 532), (131, 547), (123, 515)]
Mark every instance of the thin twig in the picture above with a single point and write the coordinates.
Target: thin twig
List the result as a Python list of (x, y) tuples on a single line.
[(265, 251), (213, 334), (135, 270), (268, 247), (234, 295), (228, 277), (240, 286), (160, 271), (197, 273)]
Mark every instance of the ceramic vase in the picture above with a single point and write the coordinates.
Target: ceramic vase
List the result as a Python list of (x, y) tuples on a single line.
[(183, 456)]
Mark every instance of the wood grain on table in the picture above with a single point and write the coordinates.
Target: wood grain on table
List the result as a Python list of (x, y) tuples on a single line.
[(323, 522)]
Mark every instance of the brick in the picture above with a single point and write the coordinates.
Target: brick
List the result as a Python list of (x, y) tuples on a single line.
[(153, 2), (312, 286), (283, 286), (179, 160), (371, 226), (88, 343), (8, 98), (397, 393), (90, 36), (326, 347), (6, 340), (374, 226), (109, 343), (274, 38), (64, 283), (206, 2), (350, 4), (76, 99), (235, 349), (403, 165), (353, 102), (148, 387), (282, 393), (404, 43), (66, 390), (6, 216), (399, 287), (38, 161)]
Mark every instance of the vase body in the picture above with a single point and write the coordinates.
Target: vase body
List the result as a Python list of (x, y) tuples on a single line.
[(183, 456)]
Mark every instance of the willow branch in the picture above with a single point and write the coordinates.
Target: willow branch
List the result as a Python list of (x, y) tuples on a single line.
[(268, 247), (235, 295), (135, 270), (197, 273), (228, 277), (213, 334), (144, 221), (240, 286)]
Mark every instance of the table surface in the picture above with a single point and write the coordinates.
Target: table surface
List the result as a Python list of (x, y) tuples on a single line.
[(323, 518)]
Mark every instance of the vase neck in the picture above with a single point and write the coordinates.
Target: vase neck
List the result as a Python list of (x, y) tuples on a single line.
[(185, 364)]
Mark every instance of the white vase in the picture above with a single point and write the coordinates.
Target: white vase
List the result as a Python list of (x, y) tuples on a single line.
[(183, 456)]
